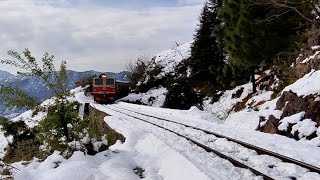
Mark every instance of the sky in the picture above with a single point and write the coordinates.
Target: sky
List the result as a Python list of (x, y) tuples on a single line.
[(101, 35)]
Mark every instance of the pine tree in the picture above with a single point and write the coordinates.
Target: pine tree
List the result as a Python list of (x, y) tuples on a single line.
[(253, 34), (206, 56)]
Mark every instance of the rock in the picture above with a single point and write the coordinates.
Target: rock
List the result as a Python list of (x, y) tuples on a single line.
[(302, 69), (271, 125), (238, 93), (289, 103)]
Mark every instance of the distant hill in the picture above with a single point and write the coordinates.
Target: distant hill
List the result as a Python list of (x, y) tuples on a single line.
[(5, 74), (35, 86)]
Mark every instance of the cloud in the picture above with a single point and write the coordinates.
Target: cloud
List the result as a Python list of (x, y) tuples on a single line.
[(93, 37), (191, 2)]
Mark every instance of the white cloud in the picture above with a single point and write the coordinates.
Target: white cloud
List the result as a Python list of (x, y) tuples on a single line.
[(191, 2), (92, 37)]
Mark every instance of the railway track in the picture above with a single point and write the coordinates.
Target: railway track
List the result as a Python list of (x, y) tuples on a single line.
[(259, 150), (206, 148), (234, 161)]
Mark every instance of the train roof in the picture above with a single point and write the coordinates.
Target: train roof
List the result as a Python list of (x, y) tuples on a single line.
[(122, 81)]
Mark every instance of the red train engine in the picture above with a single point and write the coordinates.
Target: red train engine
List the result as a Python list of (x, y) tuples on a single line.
[(106, 89)]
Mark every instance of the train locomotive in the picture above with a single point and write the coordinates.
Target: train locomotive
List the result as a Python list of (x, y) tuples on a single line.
[(106, 89)]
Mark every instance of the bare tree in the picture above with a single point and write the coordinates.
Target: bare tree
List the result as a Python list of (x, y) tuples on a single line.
[(297, 6)]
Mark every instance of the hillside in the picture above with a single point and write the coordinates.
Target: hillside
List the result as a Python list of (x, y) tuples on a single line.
[(148, 151), (255, 118), (166, 63), (241, 108), (5, 74), (239, 100)]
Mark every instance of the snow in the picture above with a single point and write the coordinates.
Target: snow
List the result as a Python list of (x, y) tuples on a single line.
[(188, 160), (154, 97), (3, 143), (32, 121), (224, 105), (261, 96), (275, 143), (141, 149), (315, 47), (293, 119), (169, 59), (315, 55), (166, 62), (170, 163), (78, 95), (163, 155), (300, 150), (243, 120), (309, 84), (305, 128)]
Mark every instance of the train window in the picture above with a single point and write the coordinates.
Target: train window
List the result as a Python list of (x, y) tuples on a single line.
[(98, 81), (109, 81)]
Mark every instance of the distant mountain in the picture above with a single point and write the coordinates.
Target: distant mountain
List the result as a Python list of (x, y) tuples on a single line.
[(34, 86), (5, 74)]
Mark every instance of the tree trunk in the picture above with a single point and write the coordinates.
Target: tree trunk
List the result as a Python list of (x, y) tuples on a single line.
[(254, 85), (63, 122)]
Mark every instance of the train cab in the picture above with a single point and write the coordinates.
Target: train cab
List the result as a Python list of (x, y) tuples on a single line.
[(104, 89)]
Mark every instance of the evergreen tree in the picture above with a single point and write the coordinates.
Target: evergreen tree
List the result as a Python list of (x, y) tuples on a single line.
[(252, 34), (206, 56)]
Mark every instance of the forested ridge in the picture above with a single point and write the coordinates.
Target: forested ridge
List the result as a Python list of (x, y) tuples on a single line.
[(235, 40)]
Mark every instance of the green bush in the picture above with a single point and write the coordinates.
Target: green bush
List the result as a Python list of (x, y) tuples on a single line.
[(24, 150), (59, 127), (25, 145), (12, 128), (181, 96)]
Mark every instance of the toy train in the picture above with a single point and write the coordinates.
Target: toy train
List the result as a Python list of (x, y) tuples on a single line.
[(106, 89)]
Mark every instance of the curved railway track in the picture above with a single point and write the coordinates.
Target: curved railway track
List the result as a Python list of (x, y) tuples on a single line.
[(235, 162)]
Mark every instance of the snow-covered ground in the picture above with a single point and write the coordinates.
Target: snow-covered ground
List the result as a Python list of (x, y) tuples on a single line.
[(260, 162), (141, 149), (154, 97), (163, 155), (299, 150)]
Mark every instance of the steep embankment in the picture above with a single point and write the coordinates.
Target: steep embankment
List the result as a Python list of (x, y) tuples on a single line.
[(268, 110), (293, 112)]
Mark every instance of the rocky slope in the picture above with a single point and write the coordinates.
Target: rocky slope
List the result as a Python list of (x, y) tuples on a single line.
[(291, 111)]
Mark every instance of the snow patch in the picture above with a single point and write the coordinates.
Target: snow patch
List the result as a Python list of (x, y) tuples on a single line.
[(305, 128), (293, 119), (154, 97), (309, 84)]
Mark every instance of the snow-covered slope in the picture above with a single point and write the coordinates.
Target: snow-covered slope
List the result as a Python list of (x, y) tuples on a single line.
[(161, 155), (170, 58), (141, 154), (167, 61), (258, 107), (154, 97)]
